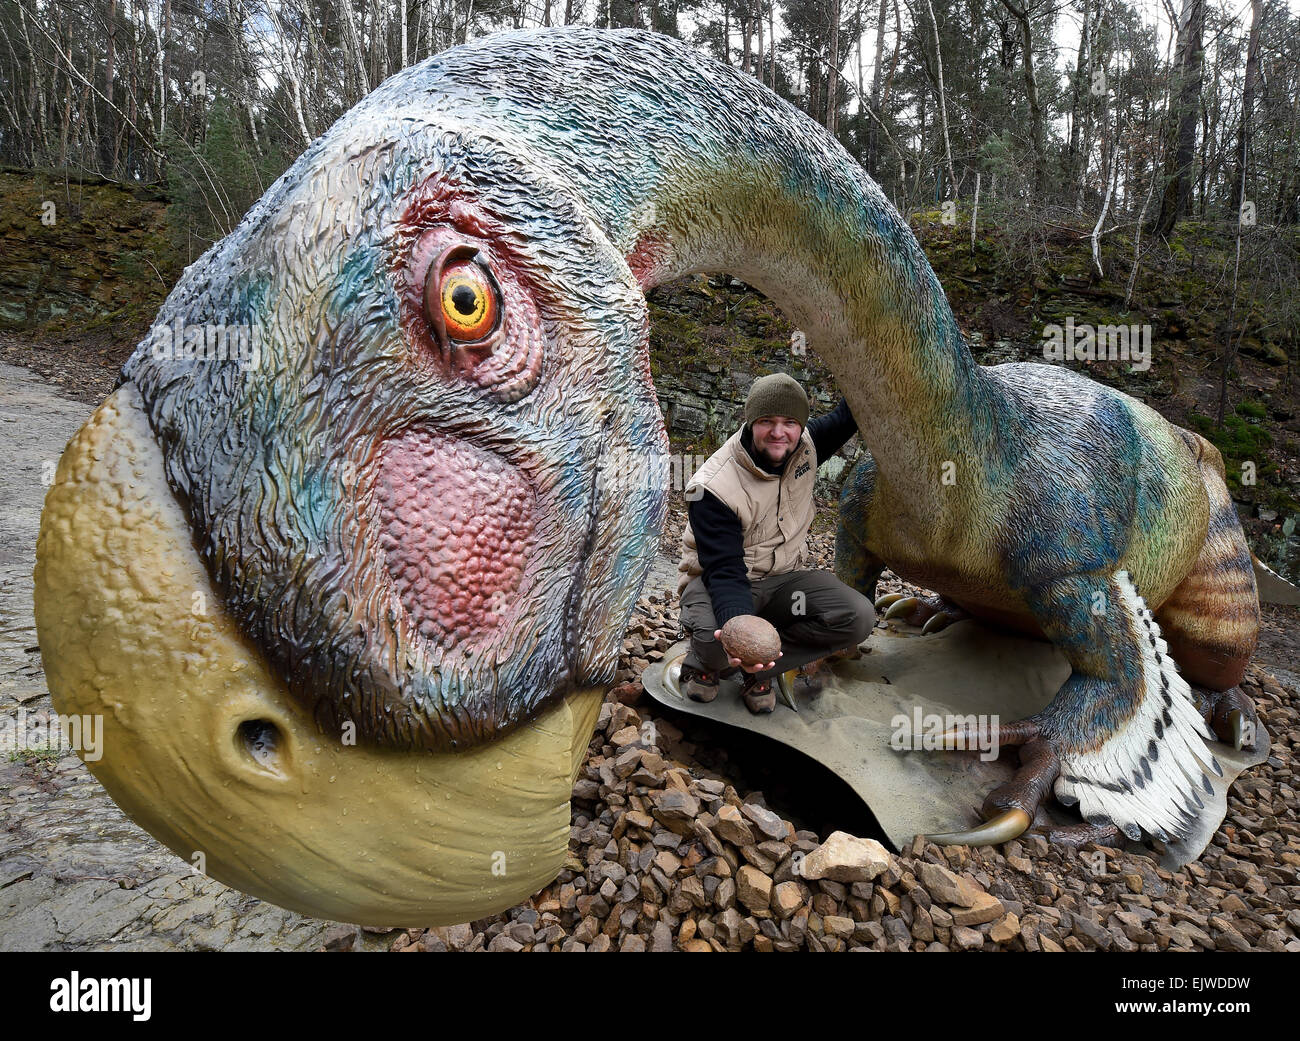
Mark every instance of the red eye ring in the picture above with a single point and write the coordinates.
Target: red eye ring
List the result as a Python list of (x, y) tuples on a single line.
[(462, 301)]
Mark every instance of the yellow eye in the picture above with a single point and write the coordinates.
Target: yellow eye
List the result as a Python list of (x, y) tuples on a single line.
[(468, 300)]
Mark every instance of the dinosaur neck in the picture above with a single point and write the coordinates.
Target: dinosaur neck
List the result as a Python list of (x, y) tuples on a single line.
[(844, 267), (691, 166)]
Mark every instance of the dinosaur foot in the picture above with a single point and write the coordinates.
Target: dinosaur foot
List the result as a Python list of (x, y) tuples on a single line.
[(1229, 713), (931, 613), (1009, 809)]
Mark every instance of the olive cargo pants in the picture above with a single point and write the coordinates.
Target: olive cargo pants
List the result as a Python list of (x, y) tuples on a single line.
[(814, 612)]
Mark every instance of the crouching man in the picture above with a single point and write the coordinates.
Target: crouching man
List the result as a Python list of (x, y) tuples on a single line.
[(749, 508)]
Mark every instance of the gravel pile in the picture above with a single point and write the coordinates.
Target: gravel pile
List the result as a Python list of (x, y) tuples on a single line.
[(667, 854)]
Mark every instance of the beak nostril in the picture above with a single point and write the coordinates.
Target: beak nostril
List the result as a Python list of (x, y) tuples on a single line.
[(261, 739)]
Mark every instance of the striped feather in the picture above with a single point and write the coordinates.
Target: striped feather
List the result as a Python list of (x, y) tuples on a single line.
[(1148, 774)]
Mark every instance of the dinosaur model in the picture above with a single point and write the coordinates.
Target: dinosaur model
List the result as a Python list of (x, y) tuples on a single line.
[(349, 601)]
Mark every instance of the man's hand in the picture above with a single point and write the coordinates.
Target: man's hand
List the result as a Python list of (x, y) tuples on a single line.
[(755, 667)]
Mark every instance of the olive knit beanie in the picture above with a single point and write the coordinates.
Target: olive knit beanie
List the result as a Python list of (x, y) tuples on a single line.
[(776, 395)]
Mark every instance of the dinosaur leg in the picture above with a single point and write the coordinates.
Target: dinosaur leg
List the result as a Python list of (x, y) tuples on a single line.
[(855, 565), (1121, 738), (1211, 620), (931, 613)]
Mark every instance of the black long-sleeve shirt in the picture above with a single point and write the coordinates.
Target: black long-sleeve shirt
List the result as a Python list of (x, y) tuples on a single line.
[(719, 538)]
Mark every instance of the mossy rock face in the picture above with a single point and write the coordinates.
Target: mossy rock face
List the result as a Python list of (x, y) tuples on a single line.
[(74, 257)]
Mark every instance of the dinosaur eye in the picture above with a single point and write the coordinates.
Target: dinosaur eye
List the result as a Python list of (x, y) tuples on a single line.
[(461, 297)]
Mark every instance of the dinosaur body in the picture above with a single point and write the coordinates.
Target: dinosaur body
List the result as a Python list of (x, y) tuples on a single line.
[(1053, 503), (408, 523)]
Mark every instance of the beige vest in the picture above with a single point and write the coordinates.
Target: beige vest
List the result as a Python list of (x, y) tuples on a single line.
[(775, 512)]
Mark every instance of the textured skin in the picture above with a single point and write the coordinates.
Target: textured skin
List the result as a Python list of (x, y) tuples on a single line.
[(457, 533), (576, 169)]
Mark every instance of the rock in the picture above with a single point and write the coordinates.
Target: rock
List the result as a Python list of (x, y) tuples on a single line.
[(697, 947), (1228, 939), (731, 826), (765, 820), (751, 639), (1091, 931), (456, 937), (846, 858), (967, 939), (922, 924), (897, 932), (786, 899), (693, 889), (667, 862), (339, 938), (837, 925), (753, 888), (1232, 904), (676, 810), (986, 908), (661, 938), (948, 888), (1005, 929), (728, 926)]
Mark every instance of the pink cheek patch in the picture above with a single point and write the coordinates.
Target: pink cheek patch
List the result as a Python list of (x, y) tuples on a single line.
[(456, 526)]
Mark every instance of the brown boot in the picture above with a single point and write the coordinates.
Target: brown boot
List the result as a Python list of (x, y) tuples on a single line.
[(759, 696), (698, 684)]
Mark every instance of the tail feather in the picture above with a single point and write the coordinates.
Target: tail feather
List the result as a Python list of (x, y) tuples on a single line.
[(1149, 773)]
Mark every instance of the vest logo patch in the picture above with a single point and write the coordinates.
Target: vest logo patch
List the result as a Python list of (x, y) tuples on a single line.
[(802, 469)]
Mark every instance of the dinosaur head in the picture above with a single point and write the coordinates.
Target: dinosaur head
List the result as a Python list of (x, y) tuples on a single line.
[(400, 504), (389, 483), (347, 597)]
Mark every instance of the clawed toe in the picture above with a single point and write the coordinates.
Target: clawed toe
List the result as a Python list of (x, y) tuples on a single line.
[(930, 613), (1230, 714)]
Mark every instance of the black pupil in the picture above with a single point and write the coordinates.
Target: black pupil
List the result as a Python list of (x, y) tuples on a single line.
[(464, 299)]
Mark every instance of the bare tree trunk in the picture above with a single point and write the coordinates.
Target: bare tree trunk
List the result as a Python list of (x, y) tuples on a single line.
[(745, 34), (833, 73), (349, 22), (1105, 208), (291, 72), (1082, 91), (108, 146), (1248, 101), (1022, 17), (771, 40), (943, 104), (1188, 67), (873, 139)]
